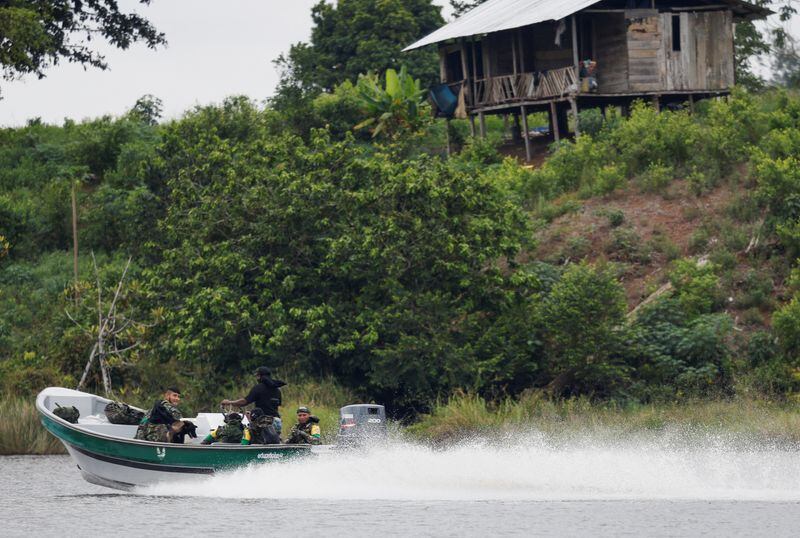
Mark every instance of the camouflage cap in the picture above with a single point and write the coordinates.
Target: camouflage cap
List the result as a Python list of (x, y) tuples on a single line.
[(303, 409)]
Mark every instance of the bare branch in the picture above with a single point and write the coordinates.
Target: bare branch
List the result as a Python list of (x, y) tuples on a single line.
[(123, 350), (88, 367)]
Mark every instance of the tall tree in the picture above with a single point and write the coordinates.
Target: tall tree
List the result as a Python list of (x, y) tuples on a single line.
[(753, 40), (359, 36), (786, 64), (36, 34), (462, 6)]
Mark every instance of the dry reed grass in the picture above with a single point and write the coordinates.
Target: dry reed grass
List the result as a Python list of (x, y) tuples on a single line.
[(467, 414), (21, 432)]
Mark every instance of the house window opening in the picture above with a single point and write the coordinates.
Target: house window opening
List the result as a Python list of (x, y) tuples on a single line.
[(676, 33), (454, 67)]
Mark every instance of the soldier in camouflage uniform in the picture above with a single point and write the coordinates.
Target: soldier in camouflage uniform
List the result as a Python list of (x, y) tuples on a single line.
[(306, 431), (262, 428), (231, 432), (163, 420)]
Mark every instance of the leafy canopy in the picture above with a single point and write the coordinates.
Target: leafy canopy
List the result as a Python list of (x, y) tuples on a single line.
[(325, 258), (353, 37), (36, 34)]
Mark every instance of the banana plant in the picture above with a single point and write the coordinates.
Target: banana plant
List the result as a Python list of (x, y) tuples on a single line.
[(399, 106)]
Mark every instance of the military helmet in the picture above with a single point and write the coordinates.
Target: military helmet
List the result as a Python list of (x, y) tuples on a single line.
[(303, 409), (233, 417), (256, 412), (263, 370)]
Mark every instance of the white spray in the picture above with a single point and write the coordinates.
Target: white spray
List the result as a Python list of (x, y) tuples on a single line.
[(529, 466)]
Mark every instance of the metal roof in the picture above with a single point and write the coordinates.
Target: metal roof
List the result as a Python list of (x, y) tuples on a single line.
[(498, 15)]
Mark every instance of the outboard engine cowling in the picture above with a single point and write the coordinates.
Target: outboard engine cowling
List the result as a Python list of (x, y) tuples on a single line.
[(361, 423)]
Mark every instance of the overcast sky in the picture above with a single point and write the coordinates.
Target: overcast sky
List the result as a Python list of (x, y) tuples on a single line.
[(215, 49)]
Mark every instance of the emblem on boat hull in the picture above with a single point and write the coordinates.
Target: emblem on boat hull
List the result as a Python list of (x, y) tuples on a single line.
[(161, 452)]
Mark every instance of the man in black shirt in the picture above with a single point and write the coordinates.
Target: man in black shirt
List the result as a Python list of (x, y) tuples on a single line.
[(266, 394)]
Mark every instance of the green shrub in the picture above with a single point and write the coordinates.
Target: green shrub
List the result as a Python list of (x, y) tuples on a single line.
[(723, 259), (752, 317), (649, 137), (574, 165), (550, 211), (627, 246), (786, 323), (662, 243), (483, 151), (591, 121), (577, 248), (743, 207), (734, 124), (698, 241), (680, 353), (616, 217), (699, 182), (608, 179), (340, 110), (656, 177), (696, 287), (778, 183), (757, 287), (789, 234), (583, 314)]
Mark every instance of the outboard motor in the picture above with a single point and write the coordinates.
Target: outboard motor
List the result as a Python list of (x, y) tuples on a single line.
[(361, 423)]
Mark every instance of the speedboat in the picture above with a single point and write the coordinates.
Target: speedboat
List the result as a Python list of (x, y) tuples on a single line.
[(107, 454)]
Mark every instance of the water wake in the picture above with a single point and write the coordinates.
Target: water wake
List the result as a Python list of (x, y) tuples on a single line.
[(528, 467)]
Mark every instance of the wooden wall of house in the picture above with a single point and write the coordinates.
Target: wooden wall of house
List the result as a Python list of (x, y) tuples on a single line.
[(636, 51), (705, 60), (541, 51), (646, 55), (611, 52)]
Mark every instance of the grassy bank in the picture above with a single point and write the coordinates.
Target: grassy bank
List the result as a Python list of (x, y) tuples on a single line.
[(466, 415), (21, 432)]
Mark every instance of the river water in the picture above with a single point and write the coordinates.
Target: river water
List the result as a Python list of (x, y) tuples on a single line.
[(664, 485)]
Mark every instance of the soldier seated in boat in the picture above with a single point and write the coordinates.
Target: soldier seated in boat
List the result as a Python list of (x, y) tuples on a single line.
[(231, 432), (306, 431), (164, 422), (262, 429)]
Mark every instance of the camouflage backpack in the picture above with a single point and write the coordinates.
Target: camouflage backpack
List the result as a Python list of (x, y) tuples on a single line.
[(70, 414), (120, 413), (232, 431)]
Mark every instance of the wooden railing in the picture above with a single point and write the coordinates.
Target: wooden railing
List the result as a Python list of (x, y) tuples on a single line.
[(525, 86)]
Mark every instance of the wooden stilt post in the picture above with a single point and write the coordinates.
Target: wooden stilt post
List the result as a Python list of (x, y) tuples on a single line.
[(691, 103), (573, 103), (575, 53), (505, 125), (516, 130), (472, 125), (554, 127), (526, 135), (657, 103), (482, 122)]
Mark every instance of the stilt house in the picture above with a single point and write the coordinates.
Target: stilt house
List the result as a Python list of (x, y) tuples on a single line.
[(520, 56)]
